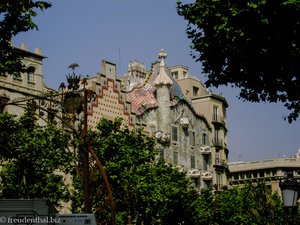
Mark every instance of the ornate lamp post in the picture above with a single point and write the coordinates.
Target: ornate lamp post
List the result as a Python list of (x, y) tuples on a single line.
[(290, 195), (75, 103)]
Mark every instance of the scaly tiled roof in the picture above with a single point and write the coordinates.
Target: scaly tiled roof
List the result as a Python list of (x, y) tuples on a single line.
[(143, 98)]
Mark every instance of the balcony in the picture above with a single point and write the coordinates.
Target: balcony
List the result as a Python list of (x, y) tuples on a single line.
[(194, 173), (205, 150), (206, 175), (218, 120), (221, 163), (218, 143)]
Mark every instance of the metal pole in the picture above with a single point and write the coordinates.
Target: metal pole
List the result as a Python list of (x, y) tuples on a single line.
[(85, 159), (106, 182)]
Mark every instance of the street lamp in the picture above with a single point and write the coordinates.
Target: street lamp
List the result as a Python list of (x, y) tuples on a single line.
[(74, 103), (290, 195)]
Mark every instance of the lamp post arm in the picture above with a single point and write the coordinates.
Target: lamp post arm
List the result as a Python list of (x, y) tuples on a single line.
[(106, 182)]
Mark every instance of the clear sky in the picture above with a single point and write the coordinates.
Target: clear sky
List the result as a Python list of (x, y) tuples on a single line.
[(85, 32)]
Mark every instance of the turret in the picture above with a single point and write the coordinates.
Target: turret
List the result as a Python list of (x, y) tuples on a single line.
[(163, 83)]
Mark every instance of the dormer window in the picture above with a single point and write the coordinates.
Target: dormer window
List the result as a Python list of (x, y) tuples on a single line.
[(195, 91), (175, 75)]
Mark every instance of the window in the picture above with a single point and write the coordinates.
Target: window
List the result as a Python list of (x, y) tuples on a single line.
[(161, 155), (218, 158), (217, 141), (30, 77), (207, 184), (206, 163), (30, 74), (193, 162), (219, 180), (261, 173), (235, 176), (192, 138), (197, 183), (17, 76), (204, 139), (175, 158), (174, 133), (243, 175), (195, 91), (215, 113), (175, 75), (255, 174)]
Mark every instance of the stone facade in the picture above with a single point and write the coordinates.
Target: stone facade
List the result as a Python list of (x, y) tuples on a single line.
[(270, 171), (183, 126), (213, 108), (15, 88), (18, 90)]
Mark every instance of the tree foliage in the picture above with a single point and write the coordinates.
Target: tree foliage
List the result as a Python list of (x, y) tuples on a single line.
[(16, 17), (30, 155), (149, 192), (252, 204), (154, 193), (253, 45)]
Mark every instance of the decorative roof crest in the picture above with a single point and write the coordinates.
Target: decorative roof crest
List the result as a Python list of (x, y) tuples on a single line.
[(162, 78)]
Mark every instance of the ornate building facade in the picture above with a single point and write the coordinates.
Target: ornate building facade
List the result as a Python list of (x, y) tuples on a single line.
[(188, 121), (157, 101), (111, 100), (213, 108)]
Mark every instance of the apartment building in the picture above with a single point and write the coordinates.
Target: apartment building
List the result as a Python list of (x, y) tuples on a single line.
[(178, 111), (23, 86), (213, 108), (270, 171)]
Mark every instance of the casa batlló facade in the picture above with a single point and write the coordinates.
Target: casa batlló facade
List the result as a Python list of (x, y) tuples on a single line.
[(185, 130)]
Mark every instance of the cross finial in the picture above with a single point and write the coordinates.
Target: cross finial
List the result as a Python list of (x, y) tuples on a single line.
[(162, 54), (162, 78)]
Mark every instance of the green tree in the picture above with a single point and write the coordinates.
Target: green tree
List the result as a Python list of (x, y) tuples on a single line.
[(30, 155), (252, 45), (252, 204), (16, 17), (150, 192)]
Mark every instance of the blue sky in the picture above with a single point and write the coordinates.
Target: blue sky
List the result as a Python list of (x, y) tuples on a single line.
[(85, 32)]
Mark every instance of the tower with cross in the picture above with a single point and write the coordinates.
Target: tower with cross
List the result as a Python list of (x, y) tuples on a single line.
[(163, 83)]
